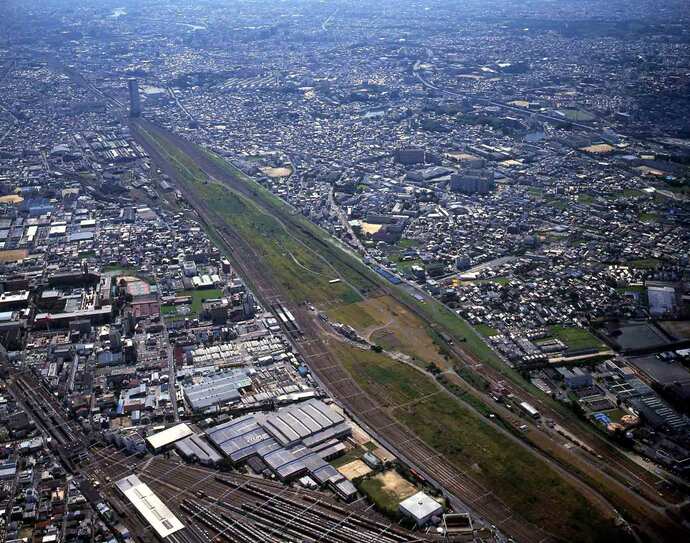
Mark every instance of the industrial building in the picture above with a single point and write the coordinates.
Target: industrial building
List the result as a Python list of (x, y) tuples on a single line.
[(160, 440), (575, 378), (658, 414), (662, 300), (220, 388), (420, 507), (149, 506), (290, 443), (195, 449)]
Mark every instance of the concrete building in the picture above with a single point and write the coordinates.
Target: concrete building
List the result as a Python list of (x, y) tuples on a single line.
[(420, 507), (167, 437), (134, 98), (472, 182)]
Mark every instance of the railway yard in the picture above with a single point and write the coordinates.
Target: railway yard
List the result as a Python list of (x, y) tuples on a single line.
[(280, 272), (221, 506), (178, 158), (461, 487)]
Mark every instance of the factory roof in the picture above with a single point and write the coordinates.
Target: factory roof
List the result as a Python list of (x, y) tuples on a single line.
[(169, 436), (300, 421), (149, 506), (215, 389), (195, 446), (291, 441)]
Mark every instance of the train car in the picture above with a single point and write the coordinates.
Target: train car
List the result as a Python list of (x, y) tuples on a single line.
[(529, 410)]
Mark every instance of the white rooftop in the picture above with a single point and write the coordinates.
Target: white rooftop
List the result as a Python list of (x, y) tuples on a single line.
[(420, 506), (149, 506), (169, 436)]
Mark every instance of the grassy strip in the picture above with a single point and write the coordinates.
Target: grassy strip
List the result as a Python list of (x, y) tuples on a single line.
[(297, 268), (521, 480), (644, 263), (473, 378), (434, 312), (485, 330)]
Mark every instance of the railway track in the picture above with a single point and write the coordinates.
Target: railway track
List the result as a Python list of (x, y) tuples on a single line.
[(460, 487), (52, 418), (245, 509)]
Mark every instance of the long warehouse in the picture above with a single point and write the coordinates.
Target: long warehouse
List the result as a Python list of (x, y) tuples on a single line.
[(149, 506)]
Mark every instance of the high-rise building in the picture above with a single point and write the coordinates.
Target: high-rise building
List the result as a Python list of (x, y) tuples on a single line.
[(134, 99)]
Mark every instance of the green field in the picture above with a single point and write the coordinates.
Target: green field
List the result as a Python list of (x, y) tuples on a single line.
[(405, 243), (395, 384), (301, 259), (386, 502), (351, 314), (649, 217), (576, 338), (524, 482), (644, 263), (485, 330), (168, 310), (198, 296), (577, 115)]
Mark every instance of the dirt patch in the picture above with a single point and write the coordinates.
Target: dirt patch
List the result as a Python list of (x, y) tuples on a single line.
[(13, 255), (383, 319), (281, 171), (355, 470), (393, 483)]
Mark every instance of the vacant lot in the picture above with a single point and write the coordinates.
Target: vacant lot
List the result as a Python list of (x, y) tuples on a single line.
[(354, 469), (521, 480), (387, 490), (678, 329), (576, 338), (12, 255), (391, 382), (383, 320)]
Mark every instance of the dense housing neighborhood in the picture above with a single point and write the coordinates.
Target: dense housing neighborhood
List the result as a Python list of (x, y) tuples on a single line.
[(344, 272)]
